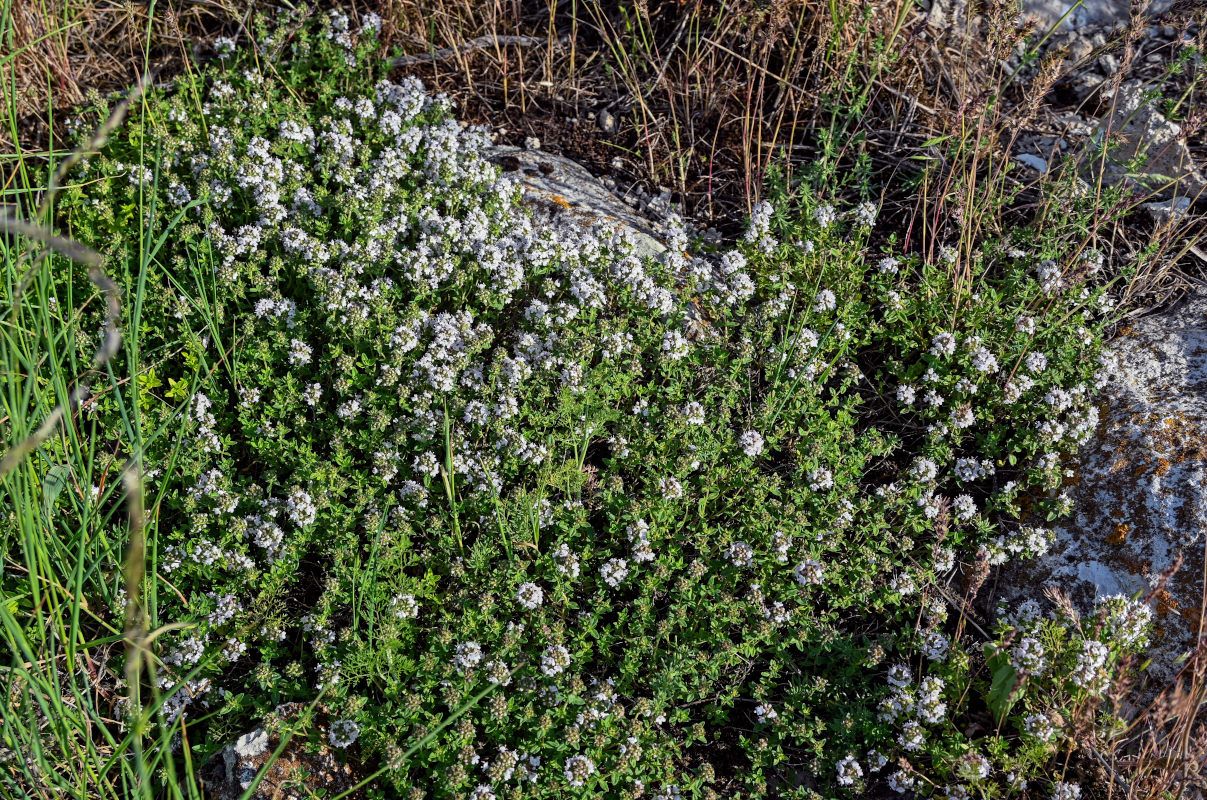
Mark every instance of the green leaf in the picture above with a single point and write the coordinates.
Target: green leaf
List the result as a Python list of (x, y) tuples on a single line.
[(1001, 691), (53, 485), (177, 390)]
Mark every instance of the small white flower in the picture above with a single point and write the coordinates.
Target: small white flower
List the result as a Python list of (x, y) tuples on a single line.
[(821, 479), (299, 352), (825, 301), (849, 771), (943, 344), (467, 656), (865, 214), (554, 660), (809, 572), (614, 571), (693, 413), (578, 769), (1065, 791), (343, 732), (740, 554), (935, 646), (529, 595), (674, 345), (899, 675), (405, 606), (963, 417), (751, 443), (671, 488), (1039, 726)]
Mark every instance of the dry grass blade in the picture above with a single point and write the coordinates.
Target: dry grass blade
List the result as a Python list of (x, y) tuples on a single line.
[(61, 244)]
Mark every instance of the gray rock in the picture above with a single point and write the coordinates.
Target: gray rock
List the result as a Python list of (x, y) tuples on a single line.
[(1177, 208), (250, 745), (1032, 162), (607, 121), (561, 187), (1140, 129), (1090, 13), (1140, 486)]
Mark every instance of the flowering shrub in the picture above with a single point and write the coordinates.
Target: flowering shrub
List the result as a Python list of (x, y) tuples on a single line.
[(425, 443)]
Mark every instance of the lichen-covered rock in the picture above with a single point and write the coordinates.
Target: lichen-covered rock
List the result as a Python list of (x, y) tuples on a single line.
[(559, 186), (1079, 15), (1140, 130), (1139, 488)]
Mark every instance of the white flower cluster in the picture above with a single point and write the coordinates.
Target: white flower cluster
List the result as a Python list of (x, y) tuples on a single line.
[(1028, 656), (343, 732), (578, 770), (404, 606), (751, 443), (848, 770), (529, 596), (1027, 542), (467, 656), (809, 573), (1090, 672), (554, 660), (759, 231), (613, 571), (1127, 621)]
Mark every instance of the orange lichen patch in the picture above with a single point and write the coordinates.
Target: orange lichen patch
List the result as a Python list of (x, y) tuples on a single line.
[(1192, 615), (1138, 470), (1118, 534), (1166, 603), (559, 200), (1135, 566)]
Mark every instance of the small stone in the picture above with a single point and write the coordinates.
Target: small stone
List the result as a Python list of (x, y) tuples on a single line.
[(1032, 162), (1176, 208), (250, 745), (1079, 48), (532, 143), (607, 121), (1108, 63)]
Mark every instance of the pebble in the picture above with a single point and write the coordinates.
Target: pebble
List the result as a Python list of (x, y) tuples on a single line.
[(532, 143), (607, 121)]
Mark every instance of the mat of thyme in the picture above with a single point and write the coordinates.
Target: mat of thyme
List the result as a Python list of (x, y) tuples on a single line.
[(655, 527)]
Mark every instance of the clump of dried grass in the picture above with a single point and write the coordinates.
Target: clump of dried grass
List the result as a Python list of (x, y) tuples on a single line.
[(64, 53)]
